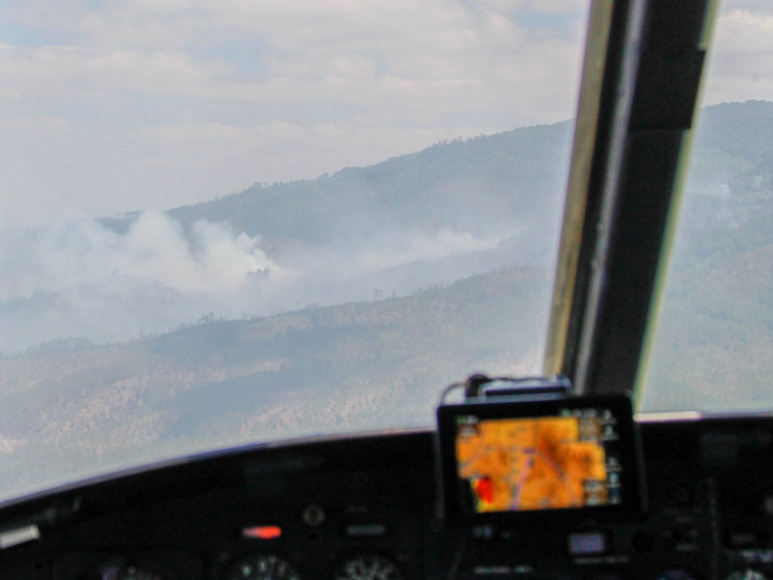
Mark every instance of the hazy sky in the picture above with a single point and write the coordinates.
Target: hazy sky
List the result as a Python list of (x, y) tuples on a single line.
[(108, 106)]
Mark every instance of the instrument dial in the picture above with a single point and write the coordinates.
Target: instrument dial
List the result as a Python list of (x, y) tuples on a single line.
[(607, 576), (747, 574), (677, 574), (127, 572), (368, 567), (261, 567)]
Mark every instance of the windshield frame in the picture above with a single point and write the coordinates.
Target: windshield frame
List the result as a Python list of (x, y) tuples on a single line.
[(624, 193)]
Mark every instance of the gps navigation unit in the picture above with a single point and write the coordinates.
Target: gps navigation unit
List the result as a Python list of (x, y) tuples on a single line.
[(501, 460)]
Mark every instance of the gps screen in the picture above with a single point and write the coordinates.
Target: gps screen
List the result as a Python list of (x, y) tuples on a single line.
[(540, 463)]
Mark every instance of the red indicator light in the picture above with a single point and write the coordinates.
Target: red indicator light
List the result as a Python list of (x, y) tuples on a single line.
[(262, 532)]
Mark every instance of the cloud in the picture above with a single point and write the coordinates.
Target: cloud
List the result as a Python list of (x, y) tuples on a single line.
[(168, 102), (757, 6), (42, 125), (151, 104), (741, 60), (558, 6), (357, 53), (75, 72)]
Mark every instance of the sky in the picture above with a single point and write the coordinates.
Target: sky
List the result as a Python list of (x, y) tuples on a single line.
[(111, 106), (149, 104)]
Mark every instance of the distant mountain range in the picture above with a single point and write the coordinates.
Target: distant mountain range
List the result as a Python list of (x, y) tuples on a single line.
[(510, 179), (472, 185), (378, 356)]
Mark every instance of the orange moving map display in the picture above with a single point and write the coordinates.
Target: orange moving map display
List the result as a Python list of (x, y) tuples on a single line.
[(533, 464)]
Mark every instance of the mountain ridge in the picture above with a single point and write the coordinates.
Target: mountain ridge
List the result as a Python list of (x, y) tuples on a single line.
[(381, 361)]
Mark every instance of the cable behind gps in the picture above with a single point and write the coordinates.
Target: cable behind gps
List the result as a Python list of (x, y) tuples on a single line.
[(479, 387)]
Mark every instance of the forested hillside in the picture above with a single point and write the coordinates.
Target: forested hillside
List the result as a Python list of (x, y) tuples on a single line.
[(733, 149), (471, 185), (479, 184), (448, 212), (356, 366), (366, 292), (716, 329)]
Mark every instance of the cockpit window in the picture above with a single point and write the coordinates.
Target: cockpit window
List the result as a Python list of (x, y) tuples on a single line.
[(712, 347), (235, 222)]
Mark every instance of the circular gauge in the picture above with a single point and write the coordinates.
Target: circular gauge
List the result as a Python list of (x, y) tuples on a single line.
[(677, 574), (261, 567), (747, 574), (368, 567), (134, 573), (607, 576), (119, 571)]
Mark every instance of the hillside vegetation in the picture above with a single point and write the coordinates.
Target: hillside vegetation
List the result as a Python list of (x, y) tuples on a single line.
[(381, 361), (470, 185), (355, 366), (479, 184)]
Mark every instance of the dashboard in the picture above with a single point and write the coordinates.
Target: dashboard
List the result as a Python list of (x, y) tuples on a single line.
[(367, 508)]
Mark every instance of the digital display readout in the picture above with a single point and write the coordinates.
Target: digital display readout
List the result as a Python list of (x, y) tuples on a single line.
[(539, 463)]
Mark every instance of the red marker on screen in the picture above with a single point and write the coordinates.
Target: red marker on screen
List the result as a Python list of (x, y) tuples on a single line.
[(484, 489)]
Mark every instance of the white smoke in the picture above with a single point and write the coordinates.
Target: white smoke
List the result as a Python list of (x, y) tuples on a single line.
[(423, 247), (78, 278), (71, 253)]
